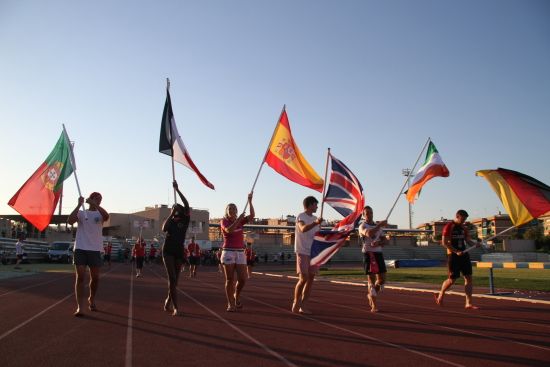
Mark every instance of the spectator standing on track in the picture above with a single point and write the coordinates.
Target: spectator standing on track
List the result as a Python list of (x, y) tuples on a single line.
[(455, 237), (138, 251), (175, 227), (194, 257), (373, 239), (18, 252), (219, 259), (306, 226), (152, 253), (250, 258), (107, 250), (233, 258), (87, 247)]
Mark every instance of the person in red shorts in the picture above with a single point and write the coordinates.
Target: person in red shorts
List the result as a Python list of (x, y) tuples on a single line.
[(250, 258), (455, 237), (152, 253), (107, 250), (194, 257), (233, 258), (139, 254)]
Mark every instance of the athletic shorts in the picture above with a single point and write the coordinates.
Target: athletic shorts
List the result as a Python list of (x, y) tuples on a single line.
[(373, 260), (139, 262), (194, 260), (459, 264), (233, 257), (87, 258), (106, 257), (303, 267), (250, 262)]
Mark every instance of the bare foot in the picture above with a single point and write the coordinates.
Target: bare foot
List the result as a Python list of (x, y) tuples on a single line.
[(305, 311), (438, 301), (176, 313), (78, 313), (295, 308), (471, 307)]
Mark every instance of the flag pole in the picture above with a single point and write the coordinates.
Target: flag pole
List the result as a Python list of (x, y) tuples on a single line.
[(73, 163), (325, 183), (490, 238), (265, 155), (407, 178), (172, 146)]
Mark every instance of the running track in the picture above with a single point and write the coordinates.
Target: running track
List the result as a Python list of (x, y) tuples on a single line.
[(37, 327)]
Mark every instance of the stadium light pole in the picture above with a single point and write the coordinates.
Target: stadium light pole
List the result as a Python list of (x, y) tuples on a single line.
[(407, 173)]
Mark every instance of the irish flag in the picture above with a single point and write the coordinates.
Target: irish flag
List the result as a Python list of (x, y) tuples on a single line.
[(284, 157), (433, 167), (37, 198)]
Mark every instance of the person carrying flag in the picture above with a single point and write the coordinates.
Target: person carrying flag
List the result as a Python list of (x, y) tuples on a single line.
[(87, 247), (233, 258), (373, 239), (175, 227), (306, 226), (455, 237)]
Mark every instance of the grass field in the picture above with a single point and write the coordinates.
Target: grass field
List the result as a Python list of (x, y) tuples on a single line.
[(520, 279)]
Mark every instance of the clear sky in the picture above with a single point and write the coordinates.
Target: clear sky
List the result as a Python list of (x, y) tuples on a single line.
[(372, 80)]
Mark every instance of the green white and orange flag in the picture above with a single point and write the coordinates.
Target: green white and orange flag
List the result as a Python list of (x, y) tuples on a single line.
[(37, 198), (524, 197), (284, 157), (433, 167)]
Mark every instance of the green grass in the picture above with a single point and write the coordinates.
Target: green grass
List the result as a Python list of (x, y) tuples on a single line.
[(519, 279)]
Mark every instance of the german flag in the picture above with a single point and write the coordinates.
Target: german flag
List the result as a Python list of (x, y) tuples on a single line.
[(524, 197)]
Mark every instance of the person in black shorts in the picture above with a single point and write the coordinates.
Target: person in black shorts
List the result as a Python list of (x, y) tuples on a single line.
[(373, 239), (175, 227), (455, 237)]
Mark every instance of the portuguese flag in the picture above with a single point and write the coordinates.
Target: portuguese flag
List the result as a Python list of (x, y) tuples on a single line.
[(37, 198), (285, 158), (433, 167)]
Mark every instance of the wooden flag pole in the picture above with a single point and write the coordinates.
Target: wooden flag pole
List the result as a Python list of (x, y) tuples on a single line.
[(172, 146), (407, 178), (324, 184), (73, 163), (265, 155)]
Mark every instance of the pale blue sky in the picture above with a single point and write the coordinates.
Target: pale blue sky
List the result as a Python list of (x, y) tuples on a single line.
[(370, 79)]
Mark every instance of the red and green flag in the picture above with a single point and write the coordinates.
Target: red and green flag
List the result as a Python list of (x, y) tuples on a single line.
[(433, 167), (37, 198), (524, 197)]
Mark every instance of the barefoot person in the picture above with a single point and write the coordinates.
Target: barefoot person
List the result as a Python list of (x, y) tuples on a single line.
[(175, 227), (306, 226), (233, 258), (87, 247), (373, 259), (455, 237)]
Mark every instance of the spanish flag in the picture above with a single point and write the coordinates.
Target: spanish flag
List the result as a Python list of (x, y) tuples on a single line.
[(433, 167), (524, 197), (284, 157)]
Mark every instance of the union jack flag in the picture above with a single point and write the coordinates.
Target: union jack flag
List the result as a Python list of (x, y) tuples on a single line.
[(345, 195)]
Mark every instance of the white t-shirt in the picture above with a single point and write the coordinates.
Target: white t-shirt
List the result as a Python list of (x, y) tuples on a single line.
[(88, 234), (367, 241), (19, 248), (303, 240)]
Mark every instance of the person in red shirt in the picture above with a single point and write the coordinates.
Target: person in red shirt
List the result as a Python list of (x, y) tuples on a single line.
[(152, 253), (250, 258), (139, 254), (107, 250), (233, 259), (194, 257), (455, 238)]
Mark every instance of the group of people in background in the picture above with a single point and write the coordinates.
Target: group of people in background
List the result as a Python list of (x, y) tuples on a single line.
[(236, 258)]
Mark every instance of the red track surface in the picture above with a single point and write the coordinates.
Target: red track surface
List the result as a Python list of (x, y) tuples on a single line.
[(37, 327)]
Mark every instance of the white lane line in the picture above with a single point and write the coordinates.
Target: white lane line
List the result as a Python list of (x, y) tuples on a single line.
[(35, 316), (361, 335), (236, 328), (129, 330), (436, 325)]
